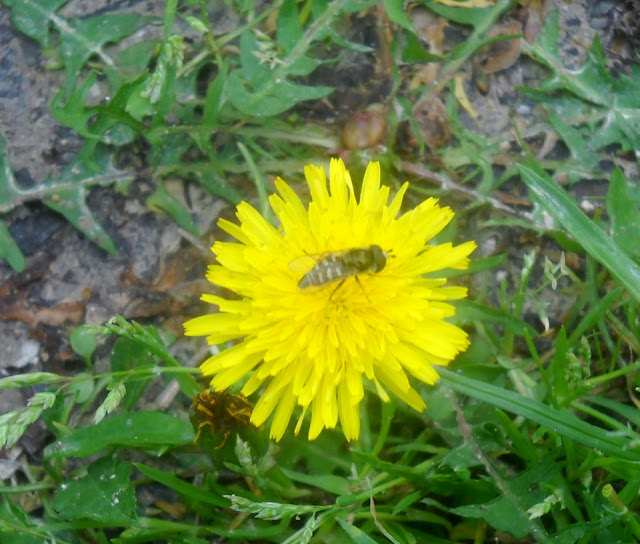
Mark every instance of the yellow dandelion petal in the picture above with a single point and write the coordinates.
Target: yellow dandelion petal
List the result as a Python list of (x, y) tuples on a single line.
[(370, 186), (349, 412), (415, 361), (283, 414), (340, 186), (220, 328), (234, 230), (317, 181), (331, 297), (226, 377)]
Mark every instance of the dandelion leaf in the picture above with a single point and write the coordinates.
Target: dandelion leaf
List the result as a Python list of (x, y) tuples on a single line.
[(138, 430), (71, 192), (260, 86), (508, 513), (606, 107), (32, 17), (80, 39), (105, 494)]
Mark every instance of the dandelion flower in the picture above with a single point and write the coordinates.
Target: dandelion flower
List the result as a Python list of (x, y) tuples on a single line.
[(313, 343)]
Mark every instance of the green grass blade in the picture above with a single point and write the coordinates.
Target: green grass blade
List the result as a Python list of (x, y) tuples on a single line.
[(597, 244), (561, 422)]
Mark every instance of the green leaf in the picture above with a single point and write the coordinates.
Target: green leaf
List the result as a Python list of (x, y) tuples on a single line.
[(71, 190), (609, 105), (269, 98), (80, 39), (105, 494), (127, 355), (73, 113), (508, 513), (559, 367), (327, 482), (175, 208), (467, 311), (66, 195), (463, 16), (32, 17), (288, 28), (592, 82), (83, 38), (560, 421), (414, 52), (355, 534), (624, 215), (595, 242), (16, 525), (583, 160), (139, 430), (28, 380), (9, 250), (185, 489), (82, 343), (150, 338), (262, 90), (72, 204), (213, 100), (398, 14)]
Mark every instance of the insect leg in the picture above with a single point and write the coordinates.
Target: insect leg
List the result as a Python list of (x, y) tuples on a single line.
[(361, 287), (338, 287)]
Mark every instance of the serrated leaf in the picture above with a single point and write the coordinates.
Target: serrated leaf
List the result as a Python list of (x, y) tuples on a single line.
[(592, 81), (613, 101), (71, 190), (105, 494), (73, 113), (66, 194), (97, 123), (139, 430), (271, 99), (509, 513), (260, 90), (72, 204), (32, 17), (584, 160), (82, 38)]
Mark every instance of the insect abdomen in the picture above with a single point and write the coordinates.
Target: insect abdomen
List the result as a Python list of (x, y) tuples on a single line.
[(326, 271)]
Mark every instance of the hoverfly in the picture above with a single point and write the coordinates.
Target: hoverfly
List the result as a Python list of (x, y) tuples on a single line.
[(220, 412), (340, 265)]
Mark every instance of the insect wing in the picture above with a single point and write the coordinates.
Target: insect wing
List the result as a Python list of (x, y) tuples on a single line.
[(304, 263)]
